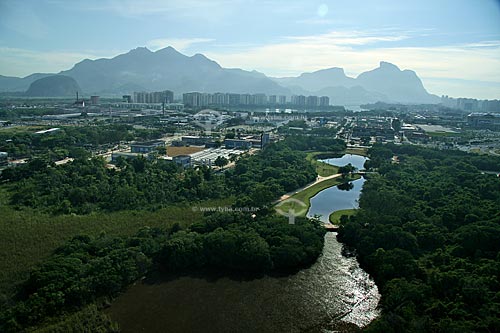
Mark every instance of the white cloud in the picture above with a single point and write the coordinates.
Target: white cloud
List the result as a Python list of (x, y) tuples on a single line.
[(180, 44), (349, 38), (294, 55)]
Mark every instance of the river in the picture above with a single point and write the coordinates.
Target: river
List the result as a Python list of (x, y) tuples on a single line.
[(334, 294), (335, 198), (356, 160)]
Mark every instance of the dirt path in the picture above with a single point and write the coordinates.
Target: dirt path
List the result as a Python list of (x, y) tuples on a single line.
[(319, 179)]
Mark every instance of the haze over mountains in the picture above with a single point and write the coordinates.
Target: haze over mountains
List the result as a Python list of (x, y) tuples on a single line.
[(143, 70)]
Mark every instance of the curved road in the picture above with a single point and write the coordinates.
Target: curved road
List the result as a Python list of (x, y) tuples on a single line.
[(319, 179)]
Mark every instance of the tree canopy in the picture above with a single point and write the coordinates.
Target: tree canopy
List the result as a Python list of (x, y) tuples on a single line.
[(428, 231)]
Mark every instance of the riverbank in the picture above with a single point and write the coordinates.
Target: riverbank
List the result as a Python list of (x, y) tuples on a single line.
[(323, 169), (299, 201), (333, 292), (362, 151), (334, 217)]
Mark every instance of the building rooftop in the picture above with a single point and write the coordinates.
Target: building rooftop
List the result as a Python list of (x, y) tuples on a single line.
[(483, 114), (147, 143), (48, 130)]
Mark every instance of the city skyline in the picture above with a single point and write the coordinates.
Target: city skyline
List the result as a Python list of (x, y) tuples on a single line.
[(454, 46)]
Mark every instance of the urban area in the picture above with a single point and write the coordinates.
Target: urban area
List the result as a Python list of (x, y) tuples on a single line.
[(213, 129)]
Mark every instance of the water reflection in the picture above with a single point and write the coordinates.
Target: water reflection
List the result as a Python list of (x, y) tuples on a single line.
[(334, 198), (333, 294), (345, 186), (356, 160)]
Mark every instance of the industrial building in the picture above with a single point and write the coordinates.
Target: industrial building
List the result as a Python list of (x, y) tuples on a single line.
[(195, 140), (484, 120), (146, 147), (182, 160), (237, 144)]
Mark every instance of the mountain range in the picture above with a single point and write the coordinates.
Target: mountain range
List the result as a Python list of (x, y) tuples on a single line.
[(143, 70)]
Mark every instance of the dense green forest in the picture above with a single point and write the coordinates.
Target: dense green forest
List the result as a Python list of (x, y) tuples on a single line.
[(428, 231), (87, 270), (320, 139), (88, 185)]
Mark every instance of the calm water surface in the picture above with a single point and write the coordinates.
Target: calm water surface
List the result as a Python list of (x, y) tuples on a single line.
[(332, 199), (356, 160), (333, 294)]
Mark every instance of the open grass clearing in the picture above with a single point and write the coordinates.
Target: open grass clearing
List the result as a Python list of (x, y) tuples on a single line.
[(334, 217), (28, 236), (301, 202)]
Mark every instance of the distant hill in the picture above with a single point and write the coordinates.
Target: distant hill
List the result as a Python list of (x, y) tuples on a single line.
[(53, 86), (10, 83), (167, 69), (386, 83), (324, 78), (397, 85), (356, 95), (143, 70)]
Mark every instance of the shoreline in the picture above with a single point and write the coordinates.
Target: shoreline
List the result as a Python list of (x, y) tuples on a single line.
[(307, 192)]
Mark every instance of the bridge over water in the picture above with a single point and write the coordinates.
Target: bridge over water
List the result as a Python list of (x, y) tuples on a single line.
[(331, 227)]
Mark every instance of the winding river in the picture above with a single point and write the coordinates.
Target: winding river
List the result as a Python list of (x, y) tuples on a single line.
[(334, 294), (334, 198), (337, 198)]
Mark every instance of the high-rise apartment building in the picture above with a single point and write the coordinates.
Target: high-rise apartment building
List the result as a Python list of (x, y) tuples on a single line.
[(312, 101), (259, 99), (166, 96), (299, 100)]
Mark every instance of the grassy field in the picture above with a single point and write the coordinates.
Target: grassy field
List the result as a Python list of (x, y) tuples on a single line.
[(27, 236), (300, 202), (323, 169), (175, 151), (21, 129), (357, 151), (334, 217)]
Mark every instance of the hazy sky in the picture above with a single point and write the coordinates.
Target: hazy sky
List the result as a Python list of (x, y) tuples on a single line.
[(453, 45)]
